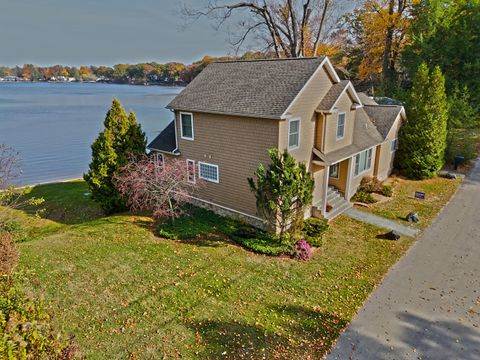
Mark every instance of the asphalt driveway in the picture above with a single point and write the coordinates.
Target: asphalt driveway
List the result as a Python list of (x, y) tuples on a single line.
[(428, 307)]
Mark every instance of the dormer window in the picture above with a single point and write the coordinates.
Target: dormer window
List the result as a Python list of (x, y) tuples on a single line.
[(341, 125), (186, 126)]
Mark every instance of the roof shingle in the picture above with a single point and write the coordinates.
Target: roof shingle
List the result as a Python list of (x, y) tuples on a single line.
[(383, 116), (332, 95), (165, 141), (259, 88)]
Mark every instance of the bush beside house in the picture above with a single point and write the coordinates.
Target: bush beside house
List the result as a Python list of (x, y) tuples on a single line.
[(122, 137)]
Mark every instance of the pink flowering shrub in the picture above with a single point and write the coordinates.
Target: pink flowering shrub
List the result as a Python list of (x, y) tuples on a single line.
[(303, 251), (162, 187)]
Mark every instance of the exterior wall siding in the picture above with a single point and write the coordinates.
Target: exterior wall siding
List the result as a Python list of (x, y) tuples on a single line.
[(304, 109), (385, 162), (331, 143), (237, 145), (355, 180)]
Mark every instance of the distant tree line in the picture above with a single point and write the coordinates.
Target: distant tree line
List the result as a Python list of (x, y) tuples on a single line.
[(143, 73)]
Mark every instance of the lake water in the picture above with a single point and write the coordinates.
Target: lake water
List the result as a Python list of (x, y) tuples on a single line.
[(52, 125)]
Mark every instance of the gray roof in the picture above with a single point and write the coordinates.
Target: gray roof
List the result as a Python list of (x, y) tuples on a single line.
[(165, 141), (365, 99), (258, 88), (332, 95), (365, 136), (383, 116)]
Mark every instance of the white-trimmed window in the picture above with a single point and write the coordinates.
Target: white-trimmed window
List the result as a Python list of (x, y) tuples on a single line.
[(341, 125), (186, 126), (363, 161), (208, 172), (293, 133), (158, 158), (394, 145), (191, 172), (334, 171)]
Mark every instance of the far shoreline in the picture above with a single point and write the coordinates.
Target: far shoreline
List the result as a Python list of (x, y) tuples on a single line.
[(179, 85)]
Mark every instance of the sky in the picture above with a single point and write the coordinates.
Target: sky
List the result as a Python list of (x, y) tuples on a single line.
[(107, 32), (103, 32)]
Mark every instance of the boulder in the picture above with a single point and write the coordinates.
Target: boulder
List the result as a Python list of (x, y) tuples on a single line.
[(412, 217), (450, 176)]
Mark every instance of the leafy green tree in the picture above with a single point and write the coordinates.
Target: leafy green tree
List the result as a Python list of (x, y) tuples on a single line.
[(446, 33), (283, 191), (122, 137), (423, 138), (463, 125)]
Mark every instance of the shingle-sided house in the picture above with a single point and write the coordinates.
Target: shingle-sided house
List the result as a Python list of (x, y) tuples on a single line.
[(227, 118)]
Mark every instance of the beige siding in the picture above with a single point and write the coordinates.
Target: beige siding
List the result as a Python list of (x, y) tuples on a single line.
[(331, 143), (304, 109), (385, 161), (237, 145), (355, 180), (318, 173)]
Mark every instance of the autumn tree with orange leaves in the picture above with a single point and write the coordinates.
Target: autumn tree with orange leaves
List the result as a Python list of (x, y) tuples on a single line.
[(380, 32)]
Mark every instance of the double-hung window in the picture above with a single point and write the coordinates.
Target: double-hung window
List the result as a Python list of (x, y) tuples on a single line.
[(293, 134), (191, 173), (341, 125), (394, 145), (186, 126), (158, 162), (363, 161), (208, 172)]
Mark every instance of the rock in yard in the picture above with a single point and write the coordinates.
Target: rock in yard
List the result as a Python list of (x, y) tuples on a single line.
[(413, 217), (392, 235), (450, 176)]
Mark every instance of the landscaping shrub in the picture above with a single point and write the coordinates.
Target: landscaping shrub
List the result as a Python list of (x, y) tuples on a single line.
[(15, 228), (387, 190), (26, 330), (260, 241), (370, 185), (363, 197), (313, 230), (303, 251), (8, 254)]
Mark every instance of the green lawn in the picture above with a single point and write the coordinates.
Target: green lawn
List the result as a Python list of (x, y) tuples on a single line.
[(438, 192), (126, 293)]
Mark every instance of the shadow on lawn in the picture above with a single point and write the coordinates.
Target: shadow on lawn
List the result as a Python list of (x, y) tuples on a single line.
[(65, 203), (305, 333)]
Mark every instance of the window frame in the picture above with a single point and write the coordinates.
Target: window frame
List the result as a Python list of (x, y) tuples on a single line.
[(337, 165), (290, 133), (191, 162), (368, 162), (159, 161), (181, 126), (200, 163), (392, 148), (343, 125)]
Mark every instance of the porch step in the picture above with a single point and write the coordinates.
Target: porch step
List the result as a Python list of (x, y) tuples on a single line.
[(338, 210), (337, 201)]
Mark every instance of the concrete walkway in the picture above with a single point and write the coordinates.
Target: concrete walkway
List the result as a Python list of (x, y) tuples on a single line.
[(372, 219), (428, 307)]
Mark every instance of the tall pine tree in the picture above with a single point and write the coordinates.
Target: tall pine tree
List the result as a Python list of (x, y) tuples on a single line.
[(122, 136), (423, 138)]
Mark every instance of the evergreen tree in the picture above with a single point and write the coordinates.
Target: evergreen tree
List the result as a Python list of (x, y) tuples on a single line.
[(283, 190), (423, 138), (122, 137)]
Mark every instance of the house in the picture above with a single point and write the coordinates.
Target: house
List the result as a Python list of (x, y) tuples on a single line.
[(232, 112)]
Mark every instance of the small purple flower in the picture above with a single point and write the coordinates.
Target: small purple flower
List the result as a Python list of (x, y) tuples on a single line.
[(303, 250)]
